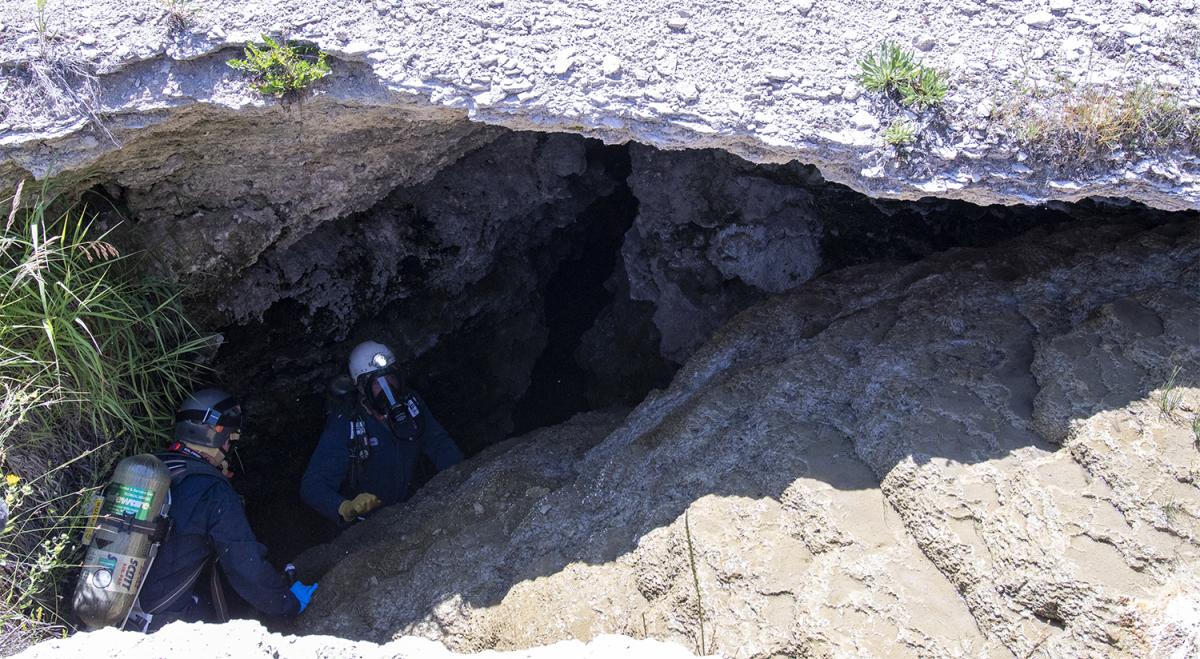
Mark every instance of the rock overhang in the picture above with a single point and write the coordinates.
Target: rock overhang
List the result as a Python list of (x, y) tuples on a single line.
[(769, 82)]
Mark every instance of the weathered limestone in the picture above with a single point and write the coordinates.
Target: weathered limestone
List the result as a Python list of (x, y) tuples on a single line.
[(768, 81), (245, 639)]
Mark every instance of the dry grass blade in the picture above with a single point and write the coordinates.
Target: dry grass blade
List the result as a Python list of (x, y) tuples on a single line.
[(1079, 125), (16, 203)]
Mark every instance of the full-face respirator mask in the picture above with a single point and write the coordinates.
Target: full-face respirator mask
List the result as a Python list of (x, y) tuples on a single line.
[(381, 388)]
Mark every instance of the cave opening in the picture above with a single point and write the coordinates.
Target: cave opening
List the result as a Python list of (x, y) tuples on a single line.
[(507, 365), (573, 298), (543, 275)]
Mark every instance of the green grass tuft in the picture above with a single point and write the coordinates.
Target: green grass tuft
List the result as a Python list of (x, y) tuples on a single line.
[(93, 360), (926, 88), (901, 132), (887, 69), (893, 70), (280, 67), (1170, 396)]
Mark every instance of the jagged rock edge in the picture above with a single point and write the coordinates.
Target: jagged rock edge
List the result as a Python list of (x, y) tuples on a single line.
[(686, 132)]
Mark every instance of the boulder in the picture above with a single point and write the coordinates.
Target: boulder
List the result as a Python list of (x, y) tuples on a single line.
[(990, 452)]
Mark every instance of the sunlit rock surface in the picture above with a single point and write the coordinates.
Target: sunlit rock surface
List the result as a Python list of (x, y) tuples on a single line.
[(246, 639), (769, 81)]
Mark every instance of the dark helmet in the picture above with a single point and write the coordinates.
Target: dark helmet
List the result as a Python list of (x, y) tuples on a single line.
[(369, 362), (209, 417)]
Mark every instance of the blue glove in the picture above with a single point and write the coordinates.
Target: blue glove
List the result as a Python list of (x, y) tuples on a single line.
[(303, 593)]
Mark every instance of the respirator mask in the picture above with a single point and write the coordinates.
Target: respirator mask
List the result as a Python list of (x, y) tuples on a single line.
[(387, 400)]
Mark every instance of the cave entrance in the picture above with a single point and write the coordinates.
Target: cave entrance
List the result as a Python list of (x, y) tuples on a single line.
[(573, 298), (543, 275), (494, 356)]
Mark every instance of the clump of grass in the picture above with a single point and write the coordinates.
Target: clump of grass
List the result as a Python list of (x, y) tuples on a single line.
[(179, 14), (54, 80), (93, 359), (924, 89), (894, 71), (280, 67), (1170, 396), (1081, 122), (887, 69), (901, 132)]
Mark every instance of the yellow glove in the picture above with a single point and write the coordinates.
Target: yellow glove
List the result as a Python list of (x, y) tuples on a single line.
[(359, 505)]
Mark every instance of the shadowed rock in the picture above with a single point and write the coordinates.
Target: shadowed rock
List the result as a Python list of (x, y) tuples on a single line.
[(878, 463)]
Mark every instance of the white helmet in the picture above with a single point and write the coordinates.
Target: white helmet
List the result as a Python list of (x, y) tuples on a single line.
[(370, 357)]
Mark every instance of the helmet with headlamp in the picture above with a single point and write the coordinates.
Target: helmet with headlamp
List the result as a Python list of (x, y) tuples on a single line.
[(370, 365), (209, 417)]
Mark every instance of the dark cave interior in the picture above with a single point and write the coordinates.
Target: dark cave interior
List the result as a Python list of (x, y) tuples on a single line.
[(552, 326)]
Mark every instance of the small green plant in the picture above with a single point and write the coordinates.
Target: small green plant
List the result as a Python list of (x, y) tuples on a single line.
[(901, 132), (893, 70), (41, 22), (887, 69), (1196, 431), (281, 67), (1173, 510), (924, 89), (701, 648)]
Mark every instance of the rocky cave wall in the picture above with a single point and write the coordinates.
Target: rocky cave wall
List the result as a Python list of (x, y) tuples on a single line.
[(521, 277), (964, 456), (459, 274)]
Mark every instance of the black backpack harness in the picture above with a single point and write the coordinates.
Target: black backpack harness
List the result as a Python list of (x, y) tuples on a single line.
[(359, 442)]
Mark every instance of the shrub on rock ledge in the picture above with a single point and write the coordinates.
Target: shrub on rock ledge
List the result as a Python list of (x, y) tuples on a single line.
[(280, 67)]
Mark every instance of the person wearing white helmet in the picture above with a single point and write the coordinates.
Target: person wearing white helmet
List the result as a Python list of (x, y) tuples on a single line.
[(368, 451)]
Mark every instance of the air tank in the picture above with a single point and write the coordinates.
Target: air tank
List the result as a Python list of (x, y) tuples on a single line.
[(124, 538)]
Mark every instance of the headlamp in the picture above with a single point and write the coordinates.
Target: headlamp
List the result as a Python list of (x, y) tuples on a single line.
[(226, 413)]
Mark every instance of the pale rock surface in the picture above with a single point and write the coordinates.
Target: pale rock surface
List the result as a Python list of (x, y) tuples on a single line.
[(246, 639), (710, 78)]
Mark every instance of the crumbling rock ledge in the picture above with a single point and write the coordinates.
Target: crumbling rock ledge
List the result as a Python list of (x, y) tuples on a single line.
[(246, 639), (769, 81)]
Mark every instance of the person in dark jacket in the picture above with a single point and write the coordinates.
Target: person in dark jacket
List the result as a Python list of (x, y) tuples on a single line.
[(368, 452), (209, 528)]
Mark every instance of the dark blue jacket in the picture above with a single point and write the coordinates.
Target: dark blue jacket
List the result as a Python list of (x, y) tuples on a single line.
[(387, 473), (208, 520)]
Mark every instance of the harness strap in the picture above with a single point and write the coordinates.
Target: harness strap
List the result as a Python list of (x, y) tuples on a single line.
[(184, 587), (220, 606), (156, 530), (359, 450)]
